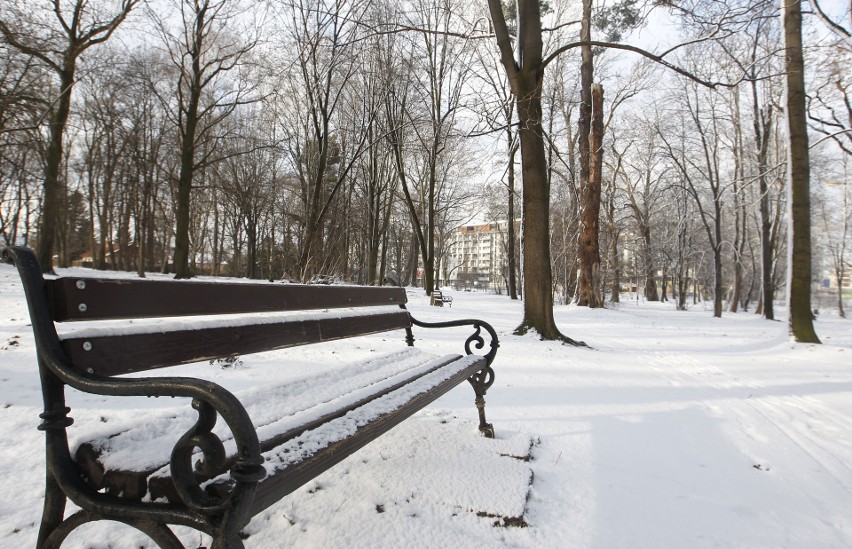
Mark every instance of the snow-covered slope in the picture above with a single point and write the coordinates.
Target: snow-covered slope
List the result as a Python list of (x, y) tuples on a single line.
[(677, 431)]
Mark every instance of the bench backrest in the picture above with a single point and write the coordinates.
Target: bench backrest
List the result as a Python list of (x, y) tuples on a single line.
[(189, 320), (121, 348)]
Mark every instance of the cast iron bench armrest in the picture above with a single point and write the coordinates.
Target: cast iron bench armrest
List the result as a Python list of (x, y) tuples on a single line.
[(484, 378)]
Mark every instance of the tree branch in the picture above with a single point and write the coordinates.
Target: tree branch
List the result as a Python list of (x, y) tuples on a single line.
[(652, 56)]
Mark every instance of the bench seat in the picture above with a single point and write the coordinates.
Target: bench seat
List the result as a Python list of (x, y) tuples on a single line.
[(309, 417)]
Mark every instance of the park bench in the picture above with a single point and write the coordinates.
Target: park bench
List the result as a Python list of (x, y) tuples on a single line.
[(438, 299), (217, 477)]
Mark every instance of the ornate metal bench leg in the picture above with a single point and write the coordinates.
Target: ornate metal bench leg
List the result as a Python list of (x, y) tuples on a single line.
[(159, 533), (481, 381), (485, 428), (54, 509), (54, 422)]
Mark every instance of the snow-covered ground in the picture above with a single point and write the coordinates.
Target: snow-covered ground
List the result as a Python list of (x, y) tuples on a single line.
[(677, 430)]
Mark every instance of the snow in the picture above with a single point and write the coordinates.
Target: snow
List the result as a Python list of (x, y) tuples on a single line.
[(675, 430)]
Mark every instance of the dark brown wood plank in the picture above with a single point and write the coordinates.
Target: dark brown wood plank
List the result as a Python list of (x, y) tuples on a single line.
[(122, 354), (164, 487), (73, 298), (273, 488)]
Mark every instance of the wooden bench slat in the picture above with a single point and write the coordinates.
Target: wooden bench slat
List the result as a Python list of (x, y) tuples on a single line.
[(135, 484), (72, 298), (122, 354), (282, 482)]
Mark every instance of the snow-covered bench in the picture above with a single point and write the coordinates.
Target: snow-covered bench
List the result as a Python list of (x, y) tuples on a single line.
[(270, 440), (438, 299)]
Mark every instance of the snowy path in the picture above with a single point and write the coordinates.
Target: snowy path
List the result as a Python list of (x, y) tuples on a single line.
[(696, 451)]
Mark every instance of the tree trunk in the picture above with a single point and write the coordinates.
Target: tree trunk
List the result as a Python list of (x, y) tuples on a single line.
[(53, 188), (717, 281), (187, 170), (798, 181), (97, 32), (591, 155), (538, 291), (650, 290), (615, 289), (510, 230), (762, 127), (526, 81)]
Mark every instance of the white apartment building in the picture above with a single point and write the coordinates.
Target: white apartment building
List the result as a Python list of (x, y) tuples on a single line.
[(476, 257)]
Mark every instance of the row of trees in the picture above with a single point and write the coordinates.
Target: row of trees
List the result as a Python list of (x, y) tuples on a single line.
[(348, 138)]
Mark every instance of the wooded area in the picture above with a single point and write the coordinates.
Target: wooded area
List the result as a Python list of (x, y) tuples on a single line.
[(317, 139)]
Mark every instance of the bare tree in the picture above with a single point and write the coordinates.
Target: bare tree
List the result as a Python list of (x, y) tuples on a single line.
[(426, 138), (798, 179), (105, 113), (590, 137), (211, 39), (643, 185), (830, 94), (58, 44), (325, 135), (246, 179), (498, 115), (24, 93), (148, 134), (526, 75), (835, 223), (695, 153)]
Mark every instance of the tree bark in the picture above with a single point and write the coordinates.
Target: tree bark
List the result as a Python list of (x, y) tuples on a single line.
[(762, 127), (510, 229), (53, 188), (798, 181), (650, 289), (78, 35), (187, 151), (538, 290), (590, 181)]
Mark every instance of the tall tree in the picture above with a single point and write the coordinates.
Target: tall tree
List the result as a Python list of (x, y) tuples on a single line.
[(323, 138), (59, 44), (501, 117), (149, 135), (835, 216), (643, 187), (442, 60), (752, 53), (798, 179), (24, 93), (830, 95), (590, 136), (696, 154), (762, 120), (211, 39), (526, 76)]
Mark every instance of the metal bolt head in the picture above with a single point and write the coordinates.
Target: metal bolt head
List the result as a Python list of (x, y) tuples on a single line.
[(87, 345), (83, 308), (90, 370), (81, 284)]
